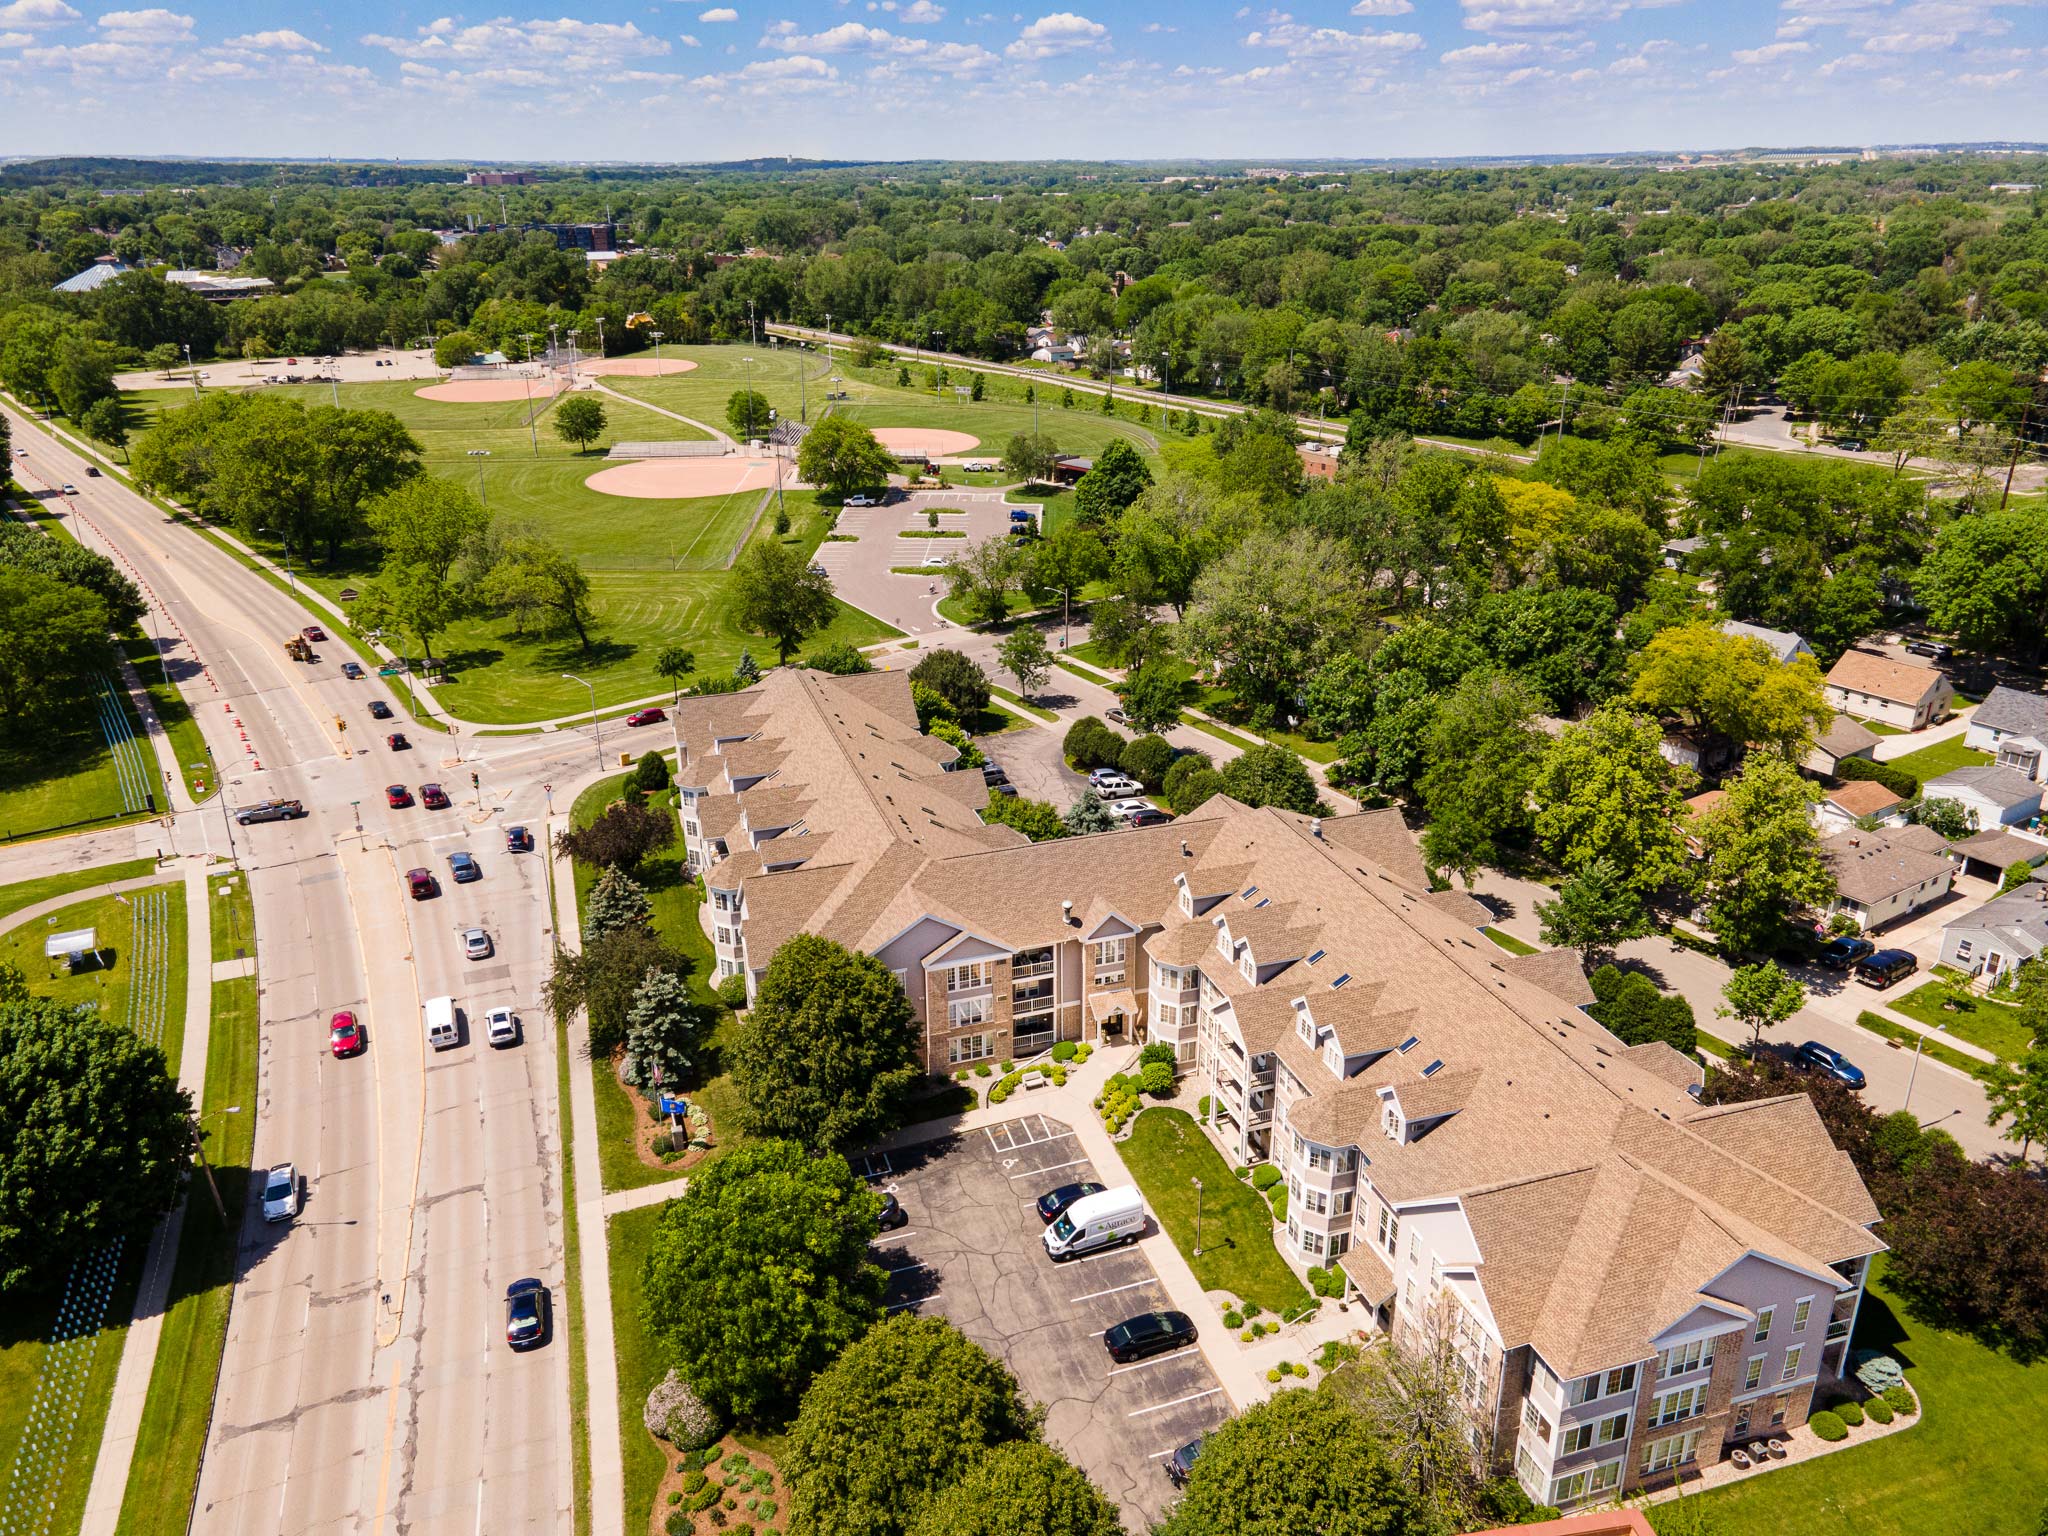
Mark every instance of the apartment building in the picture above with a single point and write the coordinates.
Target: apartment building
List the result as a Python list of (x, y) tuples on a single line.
[(1629, 1280)]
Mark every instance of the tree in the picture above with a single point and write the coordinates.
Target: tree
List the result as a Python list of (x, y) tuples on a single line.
[(1630, 1005), (1986, 580), (1272, 611), (956, 678), (603, 978), (970, 756), (1023, 1488), (1733, 688), (894, 1422), (1762, 853), (982, 579), (1151, 696), (758, 1275), (620, 838), (1200, 785), (1146, 759), (1483, 752), (842, 456), (746, 413), (1270, 775), (1030, 457), (663, 1026), (98, 1136), (746, 670), (428, 522), (580, 420), (25, 548), (1088, 814), (457, 348), (1595, 910), (616, 902), (1300, 1461), (2017, 874), (534, 573), (1604, 792), (1066, 560), (2021, 1092), (1761, 997), (1951, 818), (775, 592), (650, 773), (1115, 480), (105, 420), (675, 662), (829, 1048), (1025, 657), (841, 658), (412, 598), (1038, 820)]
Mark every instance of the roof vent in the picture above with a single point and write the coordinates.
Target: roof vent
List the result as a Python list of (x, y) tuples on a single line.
[(1067, 912), (1185, 851)]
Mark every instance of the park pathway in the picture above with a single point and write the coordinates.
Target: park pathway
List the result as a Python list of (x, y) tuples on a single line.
[(717, 436)]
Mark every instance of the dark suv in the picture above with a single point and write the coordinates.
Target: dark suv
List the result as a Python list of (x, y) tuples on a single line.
[(1885, 967), (1149, 1333), (1842, 953)]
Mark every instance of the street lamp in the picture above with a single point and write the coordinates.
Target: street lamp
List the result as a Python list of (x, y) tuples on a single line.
[(199, 1147), (750, 396), (220, 794), (190, 369), (939, 367), (1198, 1218), (596, 728), (480, 454), (286, 540)]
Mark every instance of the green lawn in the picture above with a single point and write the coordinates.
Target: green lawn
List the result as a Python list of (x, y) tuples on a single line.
[(1509, 942), (1910, 1039), (234, 917), (1165, 1150), (26, 893), (1021, 703), (172, 1435), (640, 1360), (1931, 762), (1968, 1468), (188, 747), (61, 773), (1879, 727), (1994, 1026), (108, 990), (993, 423)]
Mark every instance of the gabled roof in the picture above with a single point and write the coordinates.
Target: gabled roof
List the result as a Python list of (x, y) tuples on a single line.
[(1845, 737), (2003, 787), (1560, 972), (1862, 797), (1882, 677), (2014, 711), (1870, 867), (1782, 643)]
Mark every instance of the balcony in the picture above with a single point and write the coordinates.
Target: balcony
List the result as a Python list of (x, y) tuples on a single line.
[(1036, 992), (1030, 970), (1838, 1330)]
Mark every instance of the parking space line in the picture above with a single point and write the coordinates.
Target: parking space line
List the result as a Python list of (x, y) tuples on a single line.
[(1157, 1454), (1115, 1288), (1178, 1354), (894, 1237), (1192, 1397), (1034, 1173), (915, 1301), (1107, 1253), (904, 1269)]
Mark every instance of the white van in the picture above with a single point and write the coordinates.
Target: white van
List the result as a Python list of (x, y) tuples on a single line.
[(441, 1031), (1097, 1221)]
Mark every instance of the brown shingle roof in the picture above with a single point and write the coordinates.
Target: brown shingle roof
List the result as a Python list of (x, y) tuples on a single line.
[(1560, 972), (1368, 1270), (1862, 797), (1870, 867), (1881, 677)]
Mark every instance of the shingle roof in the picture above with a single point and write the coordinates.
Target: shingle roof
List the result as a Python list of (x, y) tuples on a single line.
[(1560, 972), (1999, 847), (1862, 797), (1782, 643), (1368, 1270), (2011, 709), (2003, 787), (2020, 917), (1882, 677), (1870, 867), (1845, 737)]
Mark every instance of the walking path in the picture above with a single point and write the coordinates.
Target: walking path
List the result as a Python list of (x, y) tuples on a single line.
[(138, 1350), (662, 410)]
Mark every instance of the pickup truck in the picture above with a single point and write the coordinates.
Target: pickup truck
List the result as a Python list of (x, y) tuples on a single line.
[(270, 810)]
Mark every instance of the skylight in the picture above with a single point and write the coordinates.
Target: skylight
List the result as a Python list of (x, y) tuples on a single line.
[(1340, 981), (1433, 1068), (1248, 893), (1312, 959), (1408, 1045)]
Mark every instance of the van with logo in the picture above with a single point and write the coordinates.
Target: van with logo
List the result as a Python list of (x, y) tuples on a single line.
[(442, 1033), (1097, 1221)]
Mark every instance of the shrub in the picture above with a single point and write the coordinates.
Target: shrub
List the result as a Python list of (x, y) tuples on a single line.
[(1274, 1375), (1264, 1177), (768, 1508), (1202, 1107), (1063, 1051), (984, 1070), (1158, 1050), (1279, 1199), (678, 1523), (1336, 1352), (1233, 1319), (1850, 1414), (1252, 1309), (706, 1496), (1828, 1426), (1248, 1335), (1892, 777), (675, 1495), (1900, 1396), (1879, 1410), (1184, 765), (1194, 790), (1007, 1066), (733, 991), (1145, 759), (694, 1482), (1059, 1077), (712, 1453), (1241, 1171), (1083, 1050), (1156, 1079), (676, 1414), (651, 772)]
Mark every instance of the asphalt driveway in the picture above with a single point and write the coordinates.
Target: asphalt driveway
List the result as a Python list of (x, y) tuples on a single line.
[(861, 573)]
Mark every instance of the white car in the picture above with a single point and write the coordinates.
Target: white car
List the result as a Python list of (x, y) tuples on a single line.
[(476, 944), (862, 501), (281, 1193), (935, 558), (500, 1028), (1124, 810), (1116, 784)]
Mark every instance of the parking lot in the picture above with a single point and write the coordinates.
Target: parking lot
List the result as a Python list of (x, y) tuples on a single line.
[(973, 1254)]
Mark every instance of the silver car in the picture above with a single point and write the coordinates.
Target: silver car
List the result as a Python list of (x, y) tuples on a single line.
[(281, 1193), (476, 944)]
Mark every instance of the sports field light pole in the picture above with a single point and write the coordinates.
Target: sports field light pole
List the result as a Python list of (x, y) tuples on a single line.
[(657, 353), (938, 367), (480, 454), (750, 397), (828, 341), (596, 728), (190, 369)]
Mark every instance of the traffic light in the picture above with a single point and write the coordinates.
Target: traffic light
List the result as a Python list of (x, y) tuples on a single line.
[(473, 783)]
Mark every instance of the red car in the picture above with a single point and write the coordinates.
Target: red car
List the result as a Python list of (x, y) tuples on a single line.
[(397, 796), (420, 882), (314, 632), (345, 1035), (646, 717), (433, 797)]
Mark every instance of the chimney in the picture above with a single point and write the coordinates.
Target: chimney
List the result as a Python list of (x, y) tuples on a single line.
[(1185, 851)]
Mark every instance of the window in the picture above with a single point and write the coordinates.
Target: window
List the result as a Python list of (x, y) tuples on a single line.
[(1525, 1469), (1312, 959), (1407, 1045), (1671, 1451), (969, 1011), (728, 968), (968, 1048), (1390, 1120), (1575, 1438), (1187, 902), (1622, 1380), (1583, 1390), (1305, 1027), (1317, 1201), (1680, 1358), (1166, 978), (1741, 1421), (690, 828), (1754, 1376), (1612, 1428), (1312, 1242), (1791, 1370), (1110, 952), (963, 978), (1432, 1069), (1763, 1324), (725, 935), (1535, 1423), (1800, 1313), (1963, 949), (1340, 1244), (1340, 1203), (1390, 1230), (1340, 981), (1780, 1406), (1606, 1477), (1670, 1407)]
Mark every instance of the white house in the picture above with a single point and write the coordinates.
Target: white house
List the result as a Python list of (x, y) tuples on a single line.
[(2000, 796), (2000, 934), (1783, 643), (1881, 877), (1843, 739), (2013, 727), (1874, 687), (1845, 806)]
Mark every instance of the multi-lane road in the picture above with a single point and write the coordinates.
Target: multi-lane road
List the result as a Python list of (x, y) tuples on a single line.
[(367, 1386)]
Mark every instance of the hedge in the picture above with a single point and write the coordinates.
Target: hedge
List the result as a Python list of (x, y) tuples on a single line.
[(1900, 1396), (1828, 1426), (1264, 1177), (1895, 779)]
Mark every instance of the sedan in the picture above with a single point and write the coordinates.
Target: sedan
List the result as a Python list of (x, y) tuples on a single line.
[(281, 1193), (314, 633), (379, 710), (345, 1035), (464, 867), (500, 1028), (1116, 717), (1845, 952), (651, 716), (352, 670), (396, 741), (1182, 1462), (526, 1314), (1815, 1057), (518, 840), (1149, 817), (433, 797), (1149, 1333), (421, 883), (476, 944), (397, 796), (70, 489), (1053, 1201), (892, 1214), (1124, 810)]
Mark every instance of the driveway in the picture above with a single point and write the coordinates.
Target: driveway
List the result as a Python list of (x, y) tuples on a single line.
[(973, 1253), (1767, 426)]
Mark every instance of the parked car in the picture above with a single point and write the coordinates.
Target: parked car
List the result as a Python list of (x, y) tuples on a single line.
[(936, 558), (476, 944), (500, 1027), (892, 1215), (862, 501), (1116, 787), (421, 883), (345, 1035), (1053, 1201), (992, 773), (1116, 717), (433, 797), (1151, 816), (527, 1306), (1934, 649), (1815, 1057), (1149, 1333), (281, 1193), (1885, 967), (379, 710), (1842, 953), (396, 741), (397, 796), (1004, 788), (518, 840), (647, 716), (1124, 810), (1101, 776), (1182, 1462), (352, 670), (464, 867), (314, 633)]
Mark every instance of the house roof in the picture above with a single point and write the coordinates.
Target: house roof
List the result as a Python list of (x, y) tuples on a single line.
[(94, 276), (1882, 677), (1845, 737), (2003, 787), (2000, 848), (2020, 917), (1870, 867), (2014, 711), (1862, 797), (1782, 643), (1560, 972)]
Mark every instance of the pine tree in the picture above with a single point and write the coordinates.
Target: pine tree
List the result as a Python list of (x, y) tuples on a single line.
[(748, 671), (662, 1026), (616, 902), (1089, 814)]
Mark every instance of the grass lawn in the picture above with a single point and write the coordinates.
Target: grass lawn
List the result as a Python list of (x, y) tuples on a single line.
[(1909, 1039), (234, 917), (1968, 1468), (26, 893), (640, 1360), (994, 423), (1165, 1150), (1509, 942), (1210, 728), (172, 1435), (1879, 727), (175, 715), (1931, 762), (109, 989), (1994, 1026), (61, 774), (956, 610), (1021, 703)]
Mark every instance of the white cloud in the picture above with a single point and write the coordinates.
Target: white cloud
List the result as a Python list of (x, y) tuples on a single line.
[(688, 41), (1159, 26), (1487, 55), (37, 13), (152, 26), (1383, 7), (1330, 42), (16, 39), (920, 13), (847, 37), (561, 46), (1061, 32), (719, 13), (1989, 82), (958, 58), (1548, 15), (1769, 52), (284, 40), (1909, 42)]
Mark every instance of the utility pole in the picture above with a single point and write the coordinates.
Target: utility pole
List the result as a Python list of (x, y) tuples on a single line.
[(828, 341), (2018, 439), (803, 388), (753, 337)]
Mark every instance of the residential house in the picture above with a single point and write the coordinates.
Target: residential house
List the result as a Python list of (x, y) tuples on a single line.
[(1847, 804), (1987, 855), (2001, 797), (1893, 692), (1781, 643), (1677, 551), (1319, 461), (1628, 1280), (1883, 876), (1843, 739), (2013, 727), (1697, 807), (215, 288), (2000, 935)]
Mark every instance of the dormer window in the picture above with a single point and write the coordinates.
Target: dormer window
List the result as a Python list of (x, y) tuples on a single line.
[(1187, 902), (1246, 968), (1305, 1027), (1390, 1121)]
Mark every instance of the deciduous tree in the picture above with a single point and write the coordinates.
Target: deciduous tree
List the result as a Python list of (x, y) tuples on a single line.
[(1763, 858), (1483, 752), (620, 838), (1732, 687), (1022, 1488), (675, 662), (1604, 792), (1270, 775), (580, 419), (842, 456), (775, 592), (1116, 479), (1761, 997), (1594, 911), (955, 677), (746, 413), (1025, 657), (1272, 611)]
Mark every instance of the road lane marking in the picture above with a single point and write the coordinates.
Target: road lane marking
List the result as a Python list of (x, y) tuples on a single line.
[(1112, 1290), (1192, 1397), (384, 1465), (1173, 1354)]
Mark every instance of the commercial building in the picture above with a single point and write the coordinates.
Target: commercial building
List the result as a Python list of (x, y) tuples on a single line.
[(1629, 1280)]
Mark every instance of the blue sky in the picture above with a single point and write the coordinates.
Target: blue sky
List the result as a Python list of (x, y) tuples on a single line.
[(662, 80)]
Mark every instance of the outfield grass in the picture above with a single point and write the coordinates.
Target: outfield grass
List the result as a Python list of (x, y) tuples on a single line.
[(1164, 1151), (640, 1359), (26, 893), (1968, 1467), (1931, 762), (1994, 1026)]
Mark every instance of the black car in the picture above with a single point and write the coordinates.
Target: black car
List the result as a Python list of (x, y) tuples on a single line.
[(1815, 1057), (1845, 952), (893, 1215), (526, 1314), (379, 710), (1885, 967), (1053, 1201), (1148, 818), (1182, 1462), (351, 670), (1149, 1333)]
